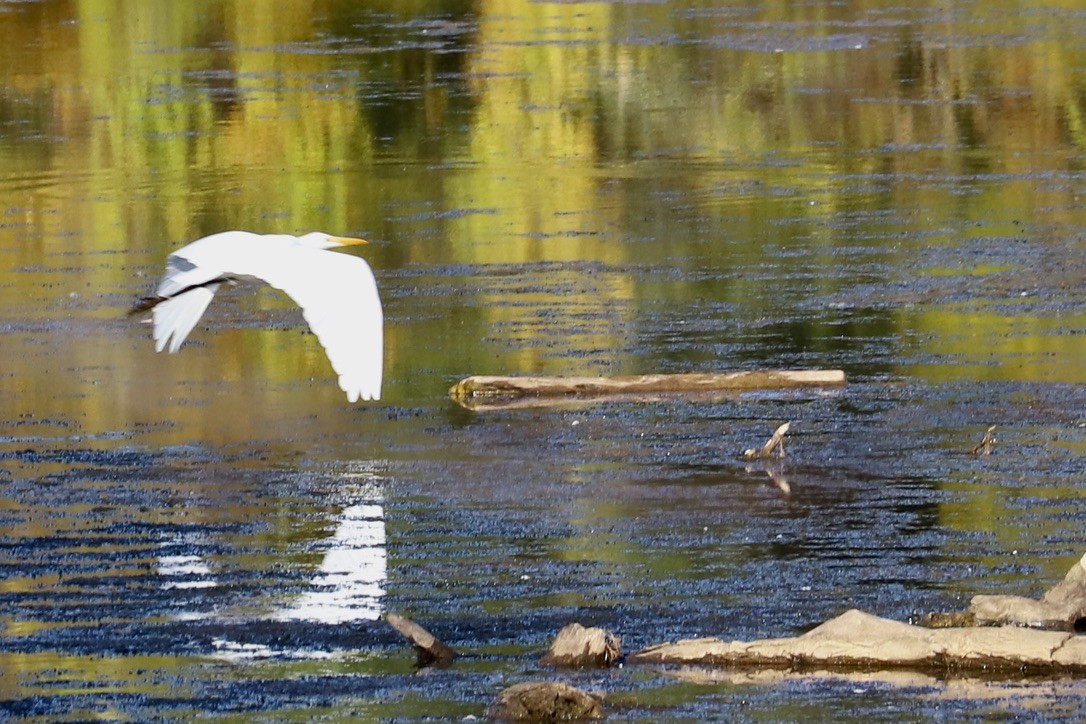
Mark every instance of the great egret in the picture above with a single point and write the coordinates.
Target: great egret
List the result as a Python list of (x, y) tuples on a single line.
[(337, 294)]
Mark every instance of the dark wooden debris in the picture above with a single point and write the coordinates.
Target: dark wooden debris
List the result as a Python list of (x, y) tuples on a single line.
[(430, 650), (985, 446), (774, 443)]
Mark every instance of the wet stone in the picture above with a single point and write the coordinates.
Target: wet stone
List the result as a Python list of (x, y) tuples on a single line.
[(545, 701), (578, 646), (952, 619)]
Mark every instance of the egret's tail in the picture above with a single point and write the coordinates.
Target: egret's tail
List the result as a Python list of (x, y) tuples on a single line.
[(146, 303)]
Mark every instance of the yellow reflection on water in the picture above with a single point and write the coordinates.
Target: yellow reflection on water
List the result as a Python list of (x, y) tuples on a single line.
[(695, 138), (984, 345)]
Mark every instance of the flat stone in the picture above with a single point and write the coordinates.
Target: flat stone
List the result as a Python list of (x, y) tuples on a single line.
[(856, 639)]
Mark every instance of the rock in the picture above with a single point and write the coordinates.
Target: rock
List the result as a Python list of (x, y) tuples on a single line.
[(953, 619), (1062, 608), (857, 639), (430, 650), (578, 646), (543, 701)]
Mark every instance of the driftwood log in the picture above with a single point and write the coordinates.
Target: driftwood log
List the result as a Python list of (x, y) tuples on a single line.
[(493, 391), (429, 648)]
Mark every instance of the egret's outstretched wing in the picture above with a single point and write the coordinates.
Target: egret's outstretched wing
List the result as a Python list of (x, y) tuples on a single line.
[(175, 317), (183, 273), (338, 297)]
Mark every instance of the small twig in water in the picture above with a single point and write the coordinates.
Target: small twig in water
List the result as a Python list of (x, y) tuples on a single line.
[(775, 443), (985, 444)]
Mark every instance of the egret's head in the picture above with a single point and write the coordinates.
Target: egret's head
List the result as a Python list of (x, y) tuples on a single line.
[(320, 240)]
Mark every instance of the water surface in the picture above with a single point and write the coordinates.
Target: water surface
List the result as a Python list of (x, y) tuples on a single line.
[(551, 188)]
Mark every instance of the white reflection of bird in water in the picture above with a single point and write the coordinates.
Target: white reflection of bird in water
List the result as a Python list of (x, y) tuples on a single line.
[(337, 294), (348, 585), (189, 571)]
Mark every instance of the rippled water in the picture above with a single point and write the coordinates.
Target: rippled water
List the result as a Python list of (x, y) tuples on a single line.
[(549, 188)]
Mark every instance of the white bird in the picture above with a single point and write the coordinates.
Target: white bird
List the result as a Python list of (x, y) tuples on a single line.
[(337, 294)]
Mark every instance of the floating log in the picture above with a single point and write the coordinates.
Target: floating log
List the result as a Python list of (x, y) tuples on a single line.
[(545, 390), (430, 650), (577, 646), (543, 701), (860, 640)]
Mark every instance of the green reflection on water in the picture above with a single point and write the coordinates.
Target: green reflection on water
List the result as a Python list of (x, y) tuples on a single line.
[(690, 140), (180, 680)]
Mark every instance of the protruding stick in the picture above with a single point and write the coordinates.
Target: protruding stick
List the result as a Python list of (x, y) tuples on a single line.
[(430, 650), (985, 444), (774, 443)]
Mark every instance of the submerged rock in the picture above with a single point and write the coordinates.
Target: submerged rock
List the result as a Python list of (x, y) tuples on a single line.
[(544, 701), (951, 619)]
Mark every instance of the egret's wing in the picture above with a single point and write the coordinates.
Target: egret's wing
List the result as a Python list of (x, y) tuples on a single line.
[(338, 297), (175, 317), (185, 290), (182, 274)]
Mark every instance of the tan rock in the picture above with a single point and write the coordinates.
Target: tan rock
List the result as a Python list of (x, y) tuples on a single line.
[(1060, 608), (578, 646), (857, 639)]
